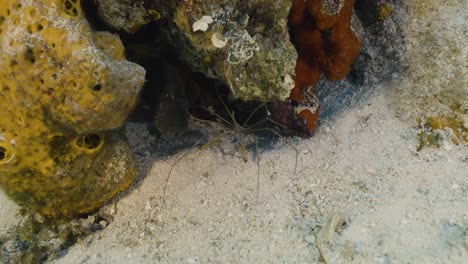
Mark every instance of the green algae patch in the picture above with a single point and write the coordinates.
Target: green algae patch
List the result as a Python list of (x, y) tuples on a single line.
[(435, 130), (385, 11)]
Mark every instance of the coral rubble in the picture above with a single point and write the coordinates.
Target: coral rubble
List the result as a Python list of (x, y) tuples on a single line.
[(64, 91), (126, 15), (243, 43)]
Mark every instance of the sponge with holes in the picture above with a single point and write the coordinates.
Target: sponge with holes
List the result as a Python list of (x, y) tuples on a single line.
[(64, 90)]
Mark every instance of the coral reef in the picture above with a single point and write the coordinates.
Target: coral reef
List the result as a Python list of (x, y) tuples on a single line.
[(65, 89), (247, 45), (243, 43), (126, 15), (325, 42)]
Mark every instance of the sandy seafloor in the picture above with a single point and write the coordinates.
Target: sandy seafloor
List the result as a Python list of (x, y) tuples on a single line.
[(361, 170), (361, 193)]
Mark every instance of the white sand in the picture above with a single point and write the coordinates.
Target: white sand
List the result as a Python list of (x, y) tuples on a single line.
[(399, 205)]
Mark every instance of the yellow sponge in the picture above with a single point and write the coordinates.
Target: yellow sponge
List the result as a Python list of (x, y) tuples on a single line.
[(64, 89)]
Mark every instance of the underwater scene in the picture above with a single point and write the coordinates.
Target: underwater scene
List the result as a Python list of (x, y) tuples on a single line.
[(233, 131)]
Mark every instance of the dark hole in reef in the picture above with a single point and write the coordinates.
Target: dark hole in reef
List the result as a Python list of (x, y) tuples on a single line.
[(40, 27), (172, 88), (68, 5), (92, 140), (367, 11), (309, 21), (325, 33), (97, 87), (89, 8), (32, 12), (89, 141), (3, 153)]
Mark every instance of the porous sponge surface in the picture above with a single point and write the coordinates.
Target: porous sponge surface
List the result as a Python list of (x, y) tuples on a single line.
[(63, 88), (326, 44)]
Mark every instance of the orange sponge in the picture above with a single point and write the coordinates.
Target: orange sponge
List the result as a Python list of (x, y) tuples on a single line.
[(325, 44)]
